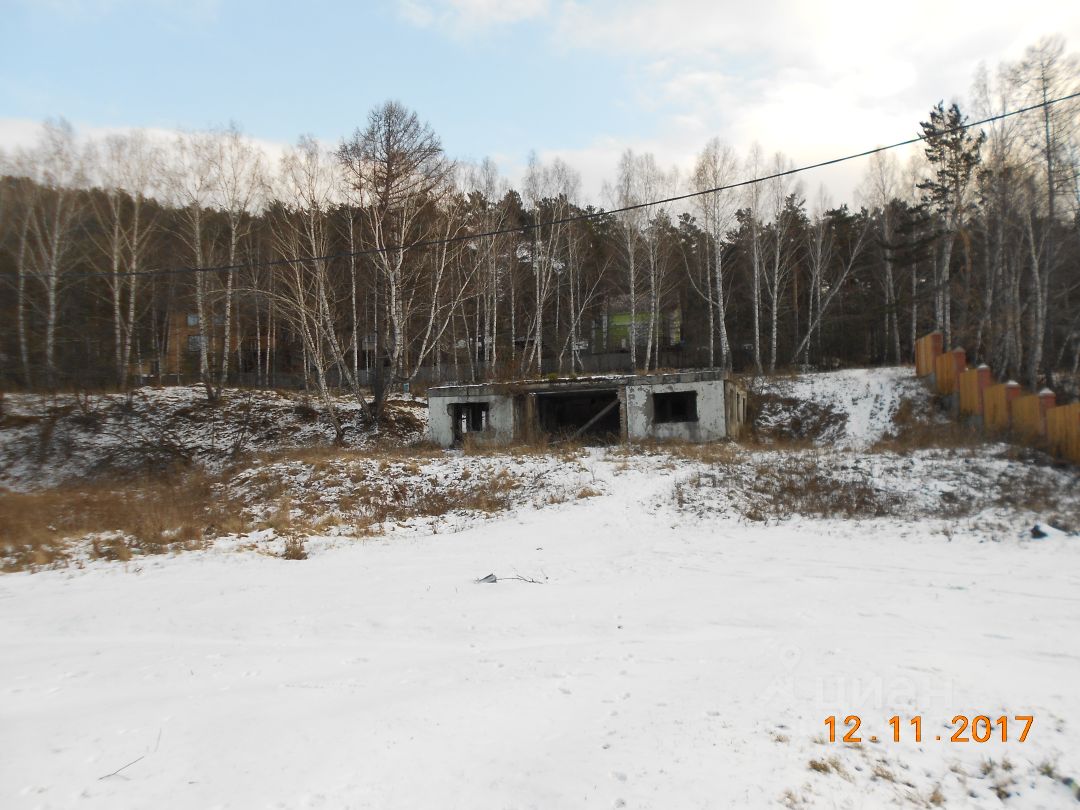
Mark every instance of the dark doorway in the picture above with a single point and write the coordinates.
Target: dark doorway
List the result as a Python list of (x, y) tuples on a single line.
[(675, 406), (469, 417), (580, 414)]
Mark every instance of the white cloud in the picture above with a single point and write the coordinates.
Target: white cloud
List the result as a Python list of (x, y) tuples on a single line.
[(18, 134), (814, 80), (831, 64)]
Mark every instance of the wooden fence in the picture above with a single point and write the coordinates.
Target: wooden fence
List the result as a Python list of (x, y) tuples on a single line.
[(948, 366), (1002, 407), (1029, 415), (926, 349), (997, 402), (1063, 431), (973, 385)]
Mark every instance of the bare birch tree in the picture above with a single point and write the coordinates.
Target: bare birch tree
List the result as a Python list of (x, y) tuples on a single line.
[(880, 188), (496, 251), (307, 183), (847, 250), (57, 165), (627, 193), (819, 258), (194, 161), (655, 184), (397, 168), (548, 191), (715, 167), (781, 195), (752, 204), (129, 169), (239, 187), (1047, 72)]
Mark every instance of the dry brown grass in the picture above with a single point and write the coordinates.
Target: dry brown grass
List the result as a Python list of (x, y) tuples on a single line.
[(807, 485), (722, 452), (42, 529), (1032, 491), (776, 419), (17, 420), (778, 485), (883, 772), (830, 765), (321, 454), (369, 505), (915, 430), (294, 549), (781, 442), (280, 519), (473, 445), (540, 445)]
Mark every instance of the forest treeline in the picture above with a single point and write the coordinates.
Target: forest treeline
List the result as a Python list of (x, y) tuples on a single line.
[(383, 261)]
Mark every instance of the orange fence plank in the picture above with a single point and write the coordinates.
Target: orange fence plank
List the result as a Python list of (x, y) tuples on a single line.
[(996, 399), (947, 370), (927, 348), (1029, 414), (973, 383), (1063, 431), (1025, 414)]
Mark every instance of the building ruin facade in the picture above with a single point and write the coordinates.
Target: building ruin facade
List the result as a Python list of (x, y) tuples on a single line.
[(695, 406)]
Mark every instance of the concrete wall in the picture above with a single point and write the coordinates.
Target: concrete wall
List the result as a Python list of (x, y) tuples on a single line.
[(500, 418), (736, 404), (513, 415), (710, 424)]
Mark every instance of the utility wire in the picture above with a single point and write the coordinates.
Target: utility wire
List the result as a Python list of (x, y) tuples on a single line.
[(568, 219)]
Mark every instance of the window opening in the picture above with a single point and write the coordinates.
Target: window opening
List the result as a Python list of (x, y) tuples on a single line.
[(675, 406)]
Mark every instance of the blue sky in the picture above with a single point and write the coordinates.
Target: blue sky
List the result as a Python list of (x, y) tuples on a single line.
[(581, 80), (282, 71)]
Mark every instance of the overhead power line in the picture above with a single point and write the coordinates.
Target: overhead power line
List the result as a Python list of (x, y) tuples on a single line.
[(575, 217)]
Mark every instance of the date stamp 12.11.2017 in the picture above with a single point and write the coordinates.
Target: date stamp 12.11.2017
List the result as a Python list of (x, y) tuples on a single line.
[(979, 729)]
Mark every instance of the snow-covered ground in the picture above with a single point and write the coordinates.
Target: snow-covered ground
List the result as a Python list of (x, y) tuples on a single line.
[(673, 641)]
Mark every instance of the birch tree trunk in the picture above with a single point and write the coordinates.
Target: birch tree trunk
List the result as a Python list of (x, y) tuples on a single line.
[(58, 167), (192, 180), (239, 182), (22, 271)]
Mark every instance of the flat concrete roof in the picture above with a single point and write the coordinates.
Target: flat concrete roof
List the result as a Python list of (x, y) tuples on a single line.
[(571, 384)]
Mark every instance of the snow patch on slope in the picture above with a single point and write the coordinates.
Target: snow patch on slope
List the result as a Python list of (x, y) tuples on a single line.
[(865, 400), (46, 441)]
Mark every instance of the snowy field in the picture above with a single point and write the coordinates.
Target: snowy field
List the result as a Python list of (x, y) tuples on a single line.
[(672, 638)]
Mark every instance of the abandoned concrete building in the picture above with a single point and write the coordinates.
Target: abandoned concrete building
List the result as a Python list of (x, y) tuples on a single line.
[(697, 406)]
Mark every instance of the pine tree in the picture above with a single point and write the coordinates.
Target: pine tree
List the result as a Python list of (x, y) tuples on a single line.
[(953, 153)]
